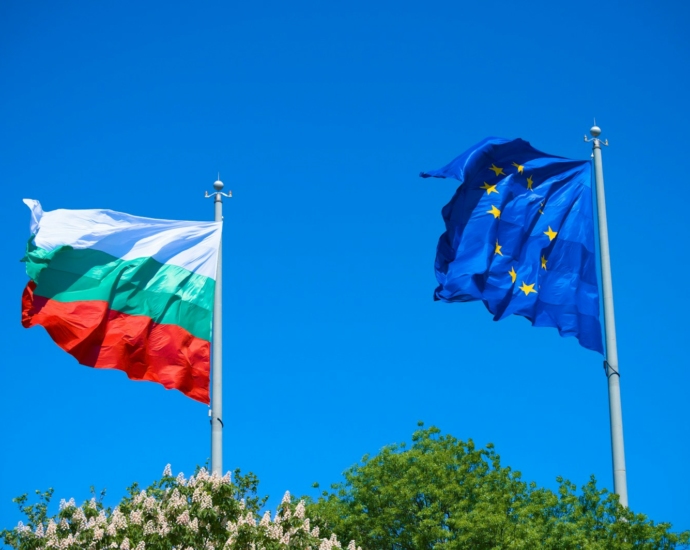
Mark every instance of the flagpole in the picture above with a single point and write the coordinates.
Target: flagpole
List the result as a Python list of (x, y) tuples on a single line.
[(620, 485), (216, 411)]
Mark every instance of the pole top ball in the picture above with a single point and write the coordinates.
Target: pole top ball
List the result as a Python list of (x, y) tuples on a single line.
[(218, 185), (595, 131)]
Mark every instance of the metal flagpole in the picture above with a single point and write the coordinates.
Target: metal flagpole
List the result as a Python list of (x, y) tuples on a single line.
[(620, 485), (216, 411)]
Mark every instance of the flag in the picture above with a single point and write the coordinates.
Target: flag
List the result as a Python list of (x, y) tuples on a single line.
[(124, 292), (520, 237)]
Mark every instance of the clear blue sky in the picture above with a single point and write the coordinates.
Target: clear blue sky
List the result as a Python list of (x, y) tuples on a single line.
[(319, 117)]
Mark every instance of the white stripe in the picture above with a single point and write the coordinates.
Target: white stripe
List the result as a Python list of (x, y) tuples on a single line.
[(191, 245)]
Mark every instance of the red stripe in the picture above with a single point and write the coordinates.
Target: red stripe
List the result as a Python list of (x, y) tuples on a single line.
[(105, 339)]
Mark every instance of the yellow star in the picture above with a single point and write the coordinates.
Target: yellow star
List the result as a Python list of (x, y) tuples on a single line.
[(495, 211), (551, 234), (498, 249), (498, 171), (489, 188), (520, 167), (529, 183), (540, 210), (527, 289), (512, 273), (543, 262)]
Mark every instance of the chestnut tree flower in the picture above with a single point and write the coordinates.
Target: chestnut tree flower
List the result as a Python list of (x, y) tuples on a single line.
[(204, 512)]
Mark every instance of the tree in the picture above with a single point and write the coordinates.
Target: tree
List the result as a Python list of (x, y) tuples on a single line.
[(204, 512), (445, 494)]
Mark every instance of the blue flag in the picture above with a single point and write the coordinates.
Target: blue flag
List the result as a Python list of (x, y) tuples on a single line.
[(520, 237)]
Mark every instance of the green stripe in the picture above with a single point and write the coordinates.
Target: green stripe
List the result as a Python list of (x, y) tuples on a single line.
[(166, 293)]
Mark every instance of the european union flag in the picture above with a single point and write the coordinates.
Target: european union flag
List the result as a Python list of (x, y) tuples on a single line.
[(520, 237)]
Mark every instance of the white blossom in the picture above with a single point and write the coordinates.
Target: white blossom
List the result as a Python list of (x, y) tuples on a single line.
[(183, 518), (299, 511), (167, 471), (64, 504), (202, 497), (216, 481), (275, 531), (249, 519), (118, 519), (202, 475), (21, 527), (164, 529), (206, 501), (177, 500), (79, 518), (136, 517)]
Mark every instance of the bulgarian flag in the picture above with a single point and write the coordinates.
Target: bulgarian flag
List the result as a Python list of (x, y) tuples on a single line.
[(123, 292)]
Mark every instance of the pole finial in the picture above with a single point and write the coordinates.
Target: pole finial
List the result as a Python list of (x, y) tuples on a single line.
[(218, 185), (595, 130)]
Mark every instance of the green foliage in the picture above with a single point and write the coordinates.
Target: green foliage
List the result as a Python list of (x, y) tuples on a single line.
[(438, 493), (446, 494)]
